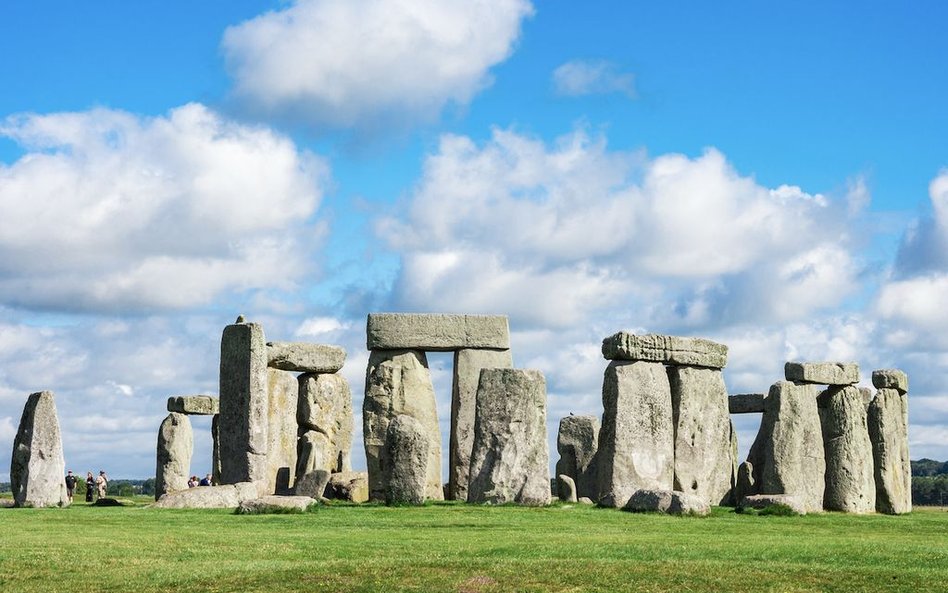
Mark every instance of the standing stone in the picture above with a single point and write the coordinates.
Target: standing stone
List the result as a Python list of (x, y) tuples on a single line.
[(636, 441), (510, 461), (406, 445), (888, 433), (312, 484), (175, 446), (577, 442), (793, 461), (398, 382), (313, 452), (37, 468), (850, 486), (216, 450), (467, 371), (283, 390), (325, 405), (566, 488), (244, 404), (704, 462)]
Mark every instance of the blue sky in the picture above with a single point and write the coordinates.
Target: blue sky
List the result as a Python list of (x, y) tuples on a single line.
[(774, 178)]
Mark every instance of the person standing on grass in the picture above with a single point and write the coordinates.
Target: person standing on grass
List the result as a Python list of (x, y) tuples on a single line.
[(101, 484), (90, 486), (70, 485)]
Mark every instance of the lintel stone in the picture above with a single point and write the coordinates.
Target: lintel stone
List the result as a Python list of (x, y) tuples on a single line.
[(822, 373), (674, 350), (195, 405), (890, 379), (436, 332), (746, 403), (304, 357)]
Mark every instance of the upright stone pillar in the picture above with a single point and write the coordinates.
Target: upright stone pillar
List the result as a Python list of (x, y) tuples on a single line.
[(283, 394), (636, 441), (888, 432), (850, 486), (325, 407), (510, 459), (244, 404), (37, 468), (406, 444), (216, 449), (175, 447), (468, 363), (704, 462), (793, 458), (577, 442), (398, 382)]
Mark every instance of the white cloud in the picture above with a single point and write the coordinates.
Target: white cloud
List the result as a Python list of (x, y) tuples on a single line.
[(111, 211), (592, 77), (341, 63)]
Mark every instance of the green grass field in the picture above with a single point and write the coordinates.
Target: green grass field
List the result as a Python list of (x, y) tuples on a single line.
[(461, 548)]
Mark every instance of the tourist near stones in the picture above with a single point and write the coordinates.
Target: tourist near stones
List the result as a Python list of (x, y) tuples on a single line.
[(283, 422)]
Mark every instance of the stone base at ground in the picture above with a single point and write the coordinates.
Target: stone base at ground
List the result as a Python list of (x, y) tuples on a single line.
[(228, 496), (667, 501), (312, 484), (762, 501), (349, 486), (268, 503), (565, 488)]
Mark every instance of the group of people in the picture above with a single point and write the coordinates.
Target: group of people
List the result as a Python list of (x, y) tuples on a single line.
[(194, 482), (97, 485)]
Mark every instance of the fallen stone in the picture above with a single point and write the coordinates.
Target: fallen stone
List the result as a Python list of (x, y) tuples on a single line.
[(196, 405), (283, 396), (107, 502), (398, 382), (585, 500), (890, 379), (704, 460), (665, 349), (37, 466), (565, 488), (275, 503), (762, 501), (303, 357), (822, 373), (406, 444), (467, 371), (892, 469), (636, 441), (510, 459), (577, 442), (228, 496), (792, 458), (436, 332), (244, 404), (668, 502), (175, 446), (850, 486), (746, 403), (325, 405), (349, 486), (312, 484)]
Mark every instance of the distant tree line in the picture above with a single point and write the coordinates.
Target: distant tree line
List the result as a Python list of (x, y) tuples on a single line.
[(929, 482)]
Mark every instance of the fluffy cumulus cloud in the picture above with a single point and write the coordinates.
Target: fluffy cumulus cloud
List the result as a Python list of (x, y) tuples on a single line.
[(107, 210), (592, 77), (340, 63)]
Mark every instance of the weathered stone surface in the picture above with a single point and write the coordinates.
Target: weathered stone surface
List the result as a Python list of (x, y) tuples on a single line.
[(351, 486), (216, 449), (196, 405), (283, 390), (265, 503), (228, 496), (890, 379), (636, 441), (704, 462), (822, 373), (746, 403), (510, 458), (888, 433), (577, 442), (175, 446), (312, 484), (436, 332), (313, 452), (746, 483), (762, 501), (566, 488), (665, 349), (325, 405), (303, 357), (666, 501), (850, 486), (398, 382), (244, 404), (867, 396), (467, 371), (37, 467), (793, 461), (585, 500), (406, 474)]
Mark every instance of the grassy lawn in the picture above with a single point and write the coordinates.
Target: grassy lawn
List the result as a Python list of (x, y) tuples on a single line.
[(460, 548)]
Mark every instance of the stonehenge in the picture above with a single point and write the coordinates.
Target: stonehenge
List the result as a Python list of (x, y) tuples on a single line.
[(887, 419), (175, 446), (37, 466), (406, 473), (577, 443), (850, 485)]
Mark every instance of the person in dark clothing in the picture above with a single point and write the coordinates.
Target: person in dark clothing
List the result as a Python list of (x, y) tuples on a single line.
[(90, 486), (70, 485), (206, 480)]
